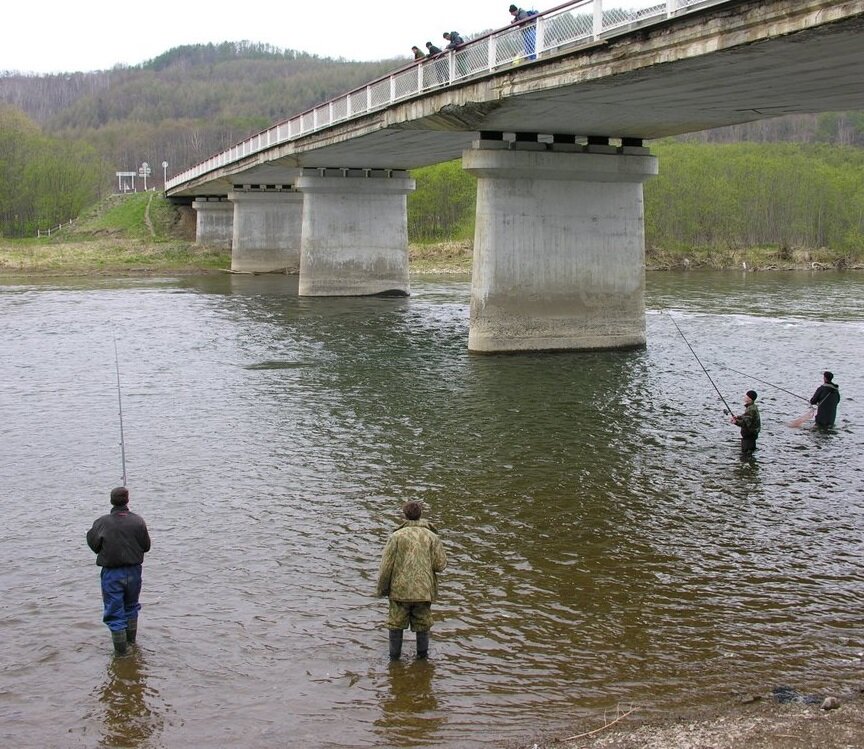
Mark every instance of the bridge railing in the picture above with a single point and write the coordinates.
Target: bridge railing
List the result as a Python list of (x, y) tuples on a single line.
[(562, 28)]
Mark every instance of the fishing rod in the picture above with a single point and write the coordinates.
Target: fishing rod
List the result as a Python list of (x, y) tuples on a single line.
[(769, 384), (727, 410), (120, 404)]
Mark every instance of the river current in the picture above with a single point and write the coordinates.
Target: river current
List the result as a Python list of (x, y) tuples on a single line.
[(606, 546)]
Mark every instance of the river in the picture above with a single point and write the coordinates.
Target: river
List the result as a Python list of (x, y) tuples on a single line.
[(606, 546)]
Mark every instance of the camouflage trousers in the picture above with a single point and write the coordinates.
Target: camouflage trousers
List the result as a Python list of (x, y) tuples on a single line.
[(418, 615)]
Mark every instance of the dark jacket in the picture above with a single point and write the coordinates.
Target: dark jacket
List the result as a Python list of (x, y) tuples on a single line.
[(433, 50), (455, 40), (119, 538), (826, 398)]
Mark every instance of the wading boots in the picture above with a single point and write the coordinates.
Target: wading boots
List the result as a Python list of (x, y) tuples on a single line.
[(423, 644), (118, 637), (395, 644)]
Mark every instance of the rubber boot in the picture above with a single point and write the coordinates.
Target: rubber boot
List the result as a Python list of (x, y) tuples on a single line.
[(118, 637), (423, 645), (395, 644), (131, 631)]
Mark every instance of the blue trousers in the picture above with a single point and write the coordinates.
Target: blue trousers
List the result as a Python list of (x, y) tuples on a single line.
[(121, 587)]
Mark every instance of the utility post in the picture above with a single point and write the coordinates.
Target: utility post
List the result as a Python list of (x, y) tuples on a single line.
[(164, 174)]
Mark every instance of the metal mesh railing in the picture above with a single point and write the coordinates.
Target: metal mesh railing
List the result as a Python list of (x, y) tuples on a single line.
[(564, 27)]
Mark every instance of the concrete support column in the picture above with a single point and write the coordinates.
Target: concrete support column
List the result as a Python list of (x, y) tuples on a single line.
[(214, 222), (559, 247), (355, 232), (267, 226)]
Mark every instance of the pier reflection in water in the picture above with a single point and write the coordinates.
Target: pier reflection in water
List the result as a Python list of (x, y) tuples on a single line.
[(606, 545)]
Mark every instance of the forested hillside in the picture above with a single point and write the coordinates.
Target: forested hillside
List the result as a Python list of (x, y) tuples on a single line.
[(179, 107), (185, 104)]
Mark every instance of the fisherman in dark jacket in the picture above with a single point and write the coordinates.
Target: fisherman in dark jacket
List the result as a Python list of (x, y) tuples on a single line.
[(120, 540), (750, 424), (826, 398)]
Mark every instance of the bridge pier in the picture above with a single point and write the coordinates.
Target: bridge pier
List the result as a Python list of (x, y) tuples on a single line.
[(559, 246), (267, 225), (214, 222), (355, 232)]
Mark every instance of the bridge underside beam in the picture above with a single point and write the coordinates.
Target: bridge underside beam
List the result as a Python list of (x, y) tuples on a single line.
[(559, 248), (267, 225), (355, 232)]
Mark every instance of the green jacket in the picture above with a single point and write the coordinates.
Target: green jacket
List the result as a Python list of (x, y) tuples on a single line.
[(409, 565), (749, 421)]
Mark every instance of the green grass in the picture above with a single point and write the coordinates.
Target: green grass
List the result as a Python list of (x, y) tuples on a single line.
[(115, 237)]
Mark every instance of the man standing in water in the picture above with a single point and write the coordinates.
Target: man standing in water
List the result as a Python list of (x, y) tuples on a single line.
[(408, 575), (750, 424), (826, 398), (120, 540)]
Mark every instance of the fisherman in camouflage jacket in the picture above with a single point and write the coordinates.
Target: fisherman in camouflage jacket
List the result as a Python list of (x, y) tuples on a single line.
[(408, 575)]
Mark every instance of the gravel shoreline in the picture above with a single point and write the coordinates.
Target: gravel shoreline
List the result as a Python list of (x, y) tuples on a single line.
[(762, 724)]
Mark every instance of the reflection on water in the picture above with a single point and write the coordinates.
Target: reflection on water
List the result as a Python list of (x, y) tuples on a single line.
[(605, 544), (410, 711), (130, 707)]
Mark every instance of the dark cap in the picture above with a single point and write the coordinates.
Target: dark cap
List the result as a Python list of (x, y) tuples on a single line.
[(513, 8), (119, 496), (751, 394)]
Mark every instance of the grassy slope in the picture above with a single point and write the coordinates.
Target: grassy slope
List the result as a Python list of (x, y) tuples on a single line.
[(136, 233)]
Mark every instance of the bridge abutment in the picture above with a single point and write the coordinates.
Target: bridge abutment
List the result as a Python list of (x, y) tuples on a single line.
[(355, 232), (559, 248), (214, 223), (266, 234)]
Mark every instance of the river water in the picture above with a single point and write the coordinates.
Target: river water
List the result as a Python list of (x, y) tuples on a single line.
[(607, 548)]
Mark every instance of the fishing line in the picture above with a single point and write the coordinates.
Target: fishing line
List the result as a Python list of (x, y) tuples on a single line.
[(769, 384), (120, 404), (728, 410)]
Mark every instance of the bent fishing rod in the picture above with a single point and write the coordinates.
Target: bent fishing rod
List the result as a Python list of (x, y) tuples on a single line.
[(120, 404), (769, 384), (727, 410)]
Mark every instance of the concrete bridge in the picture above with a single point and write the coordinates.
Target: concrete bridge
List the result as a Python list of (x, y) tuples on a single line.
[(551, 116)]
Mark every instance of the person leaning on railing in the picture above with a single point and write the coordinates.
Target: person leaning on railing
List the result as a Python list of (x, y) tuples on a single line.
[(529, 30), (454, 41), (440, 65)]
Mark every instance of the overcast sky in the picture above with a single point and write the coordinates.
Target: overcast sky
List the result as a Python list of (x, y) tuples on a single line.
[(49, 36)]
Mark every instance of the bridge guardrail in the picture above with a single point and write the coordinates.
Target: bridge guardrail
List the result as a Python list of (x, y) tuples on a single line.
[(560, 28)]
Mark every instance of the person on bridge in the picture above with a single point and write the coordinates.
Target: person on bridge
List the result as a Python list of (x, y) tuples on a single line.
[(750, 424), (408, 576), (441, 65), (529, 30), (418, 53), (120, 540), (454, 41), (826, 398)]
